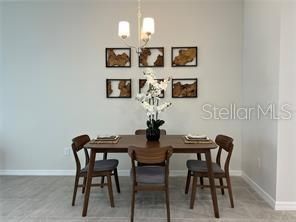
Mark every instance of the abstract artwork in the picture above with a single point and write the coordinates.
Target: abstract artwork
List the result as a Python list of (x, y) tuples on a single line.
[(151, 57), (118, 88), (118, 57), (184, 88), (184, 56)]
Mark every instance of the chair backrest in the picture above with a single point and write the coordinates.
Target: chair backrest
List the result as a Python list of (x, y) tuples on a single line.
[(143, 132), (150, 156), (225, 143), (78, 144)]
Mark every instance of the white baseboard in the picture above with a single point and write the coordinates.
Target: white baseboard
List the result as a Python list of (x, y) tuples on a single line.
[(262, 193), (276, 205), (282, 205), (236, 173), (173, 173), (37, 172), (180, 173)]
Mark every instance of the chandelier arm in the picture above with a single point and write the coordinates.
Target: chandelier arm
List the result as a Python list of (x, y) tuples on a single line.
[(145, 42), (130, 46), (139, 14), (145, 39)]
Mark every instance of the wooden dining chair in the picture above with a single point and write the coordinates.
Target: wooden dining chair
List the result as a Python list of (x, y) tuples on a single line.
[(150, 178), (143, 132), (198, 168), (101, 168)]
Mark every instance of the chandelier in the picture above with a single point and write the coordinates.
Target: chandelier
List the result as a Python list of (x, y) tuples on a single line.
[(145, 30)]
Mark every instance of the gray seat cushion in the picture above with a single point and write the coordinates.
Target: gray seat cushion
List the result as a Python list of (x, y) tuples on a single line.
[(150, 174), (201, 166), (103, 165)]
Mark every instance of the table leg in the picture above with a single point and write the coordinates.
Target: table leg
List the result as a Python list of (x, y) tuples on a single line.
[(212, 183), (102, 179), (88, 181)]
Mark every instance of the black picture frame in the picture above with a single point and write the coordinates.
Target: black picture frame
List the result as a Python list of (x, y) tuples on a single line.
[(127, 51), (109, 83), (159, 61), (183, 64), (181, 94), (142, 83)]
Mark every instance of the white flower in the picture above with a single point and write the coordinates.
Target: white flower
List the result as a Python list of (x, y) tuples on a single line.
[(164, 84), (150, 80), (149, 108), (149, 72), (140, 97), (163, 107), (155, 92), (150, 100)]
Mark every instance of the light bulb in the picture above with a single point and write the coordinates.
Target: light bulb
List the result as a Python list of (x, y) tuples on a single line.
[(123, 29), (148, 25)]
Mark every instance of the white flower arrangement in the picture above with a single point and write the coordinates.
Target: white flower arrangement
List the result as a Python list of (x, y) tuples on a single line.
[(151, 99)]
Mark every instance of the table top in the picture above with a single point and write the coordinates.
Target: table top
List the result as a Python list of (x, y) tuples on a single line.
[(176, 141)]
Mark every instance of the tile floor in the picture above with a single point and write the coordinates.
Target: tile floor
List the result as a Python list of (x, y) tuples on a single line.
[(25, 198)]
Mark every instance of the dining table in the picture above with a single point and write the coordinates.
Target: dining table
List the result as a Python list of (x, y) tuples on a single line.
[(178, 144)]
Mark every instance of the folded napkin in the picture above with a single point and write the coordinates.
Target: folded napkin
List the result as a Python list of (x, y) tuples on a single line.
[(196, 137), (107, 137)]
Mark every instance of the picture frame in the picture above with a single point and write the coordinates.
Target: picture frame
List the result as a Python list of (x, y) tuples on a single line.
[(118, 88), (151, 57), (118, 57), (185, 88), (142, 83), (184, 56)]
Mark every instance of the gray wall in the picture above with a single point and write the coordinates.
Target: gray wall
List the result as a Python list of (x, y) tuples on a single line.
[(269, 77), (54, 75), (260, 86), (286, 164), (1, 88)]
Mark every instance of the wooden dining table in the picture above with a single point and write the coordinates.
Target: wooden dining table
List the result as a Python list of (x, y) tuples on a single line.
[(176, 141)]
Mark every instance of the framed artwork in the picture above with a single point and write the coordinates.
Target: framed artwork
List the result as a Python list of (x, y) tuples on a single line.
[(118, 57), (184, 88), (151, 57), (184, 56), (143, 87), (118, 88)]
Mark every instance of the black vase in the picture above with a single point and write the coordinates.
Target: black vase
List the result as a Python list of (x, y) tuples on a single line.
[(152, 134)]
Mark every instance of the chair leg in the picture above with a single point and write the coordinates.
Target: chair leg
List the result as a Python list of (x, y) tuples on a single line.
[(193, 193), (110, 190), (84, 183), (167, 203), (133, 203), (102, 181), (229, 191), (75, 189), (103, 178), (221, 184), (187, 182), (116, 180), (201, 182)]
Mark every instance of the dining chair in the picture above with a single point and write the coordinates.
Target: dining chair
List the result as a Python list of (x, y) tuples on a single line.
[(150, 178), (101, 168), (143, 132), (198, 168)]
